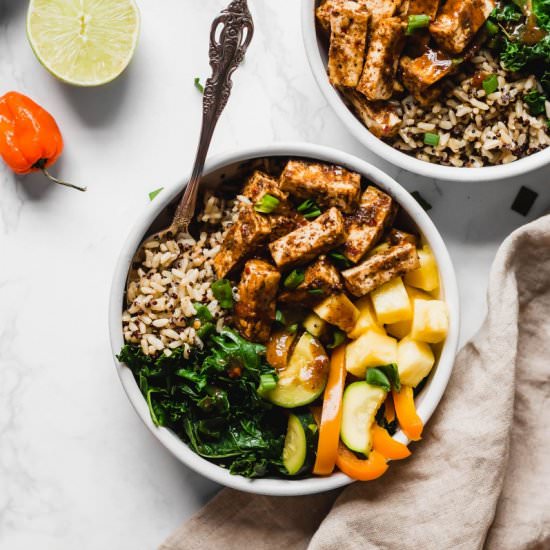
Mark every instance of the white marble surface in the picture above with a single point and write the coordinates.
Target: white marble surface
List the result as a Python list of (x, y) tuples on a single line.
[(77, 468)]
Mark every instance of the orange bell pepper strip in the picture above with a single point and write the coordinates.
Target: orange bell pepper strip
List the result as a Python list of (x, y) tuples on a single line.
[(389, 409), (30, 139), (331, 415), (405, 409), (359, 469), (387, 446)]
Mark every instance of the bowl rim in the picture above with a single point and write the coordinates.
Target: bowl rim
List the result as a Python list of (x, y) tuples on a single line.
[(386, 151), (428, 399)]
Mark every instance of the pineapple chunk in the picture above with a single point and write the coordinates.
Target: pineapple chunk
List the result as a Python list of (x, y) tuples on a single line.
[(430, 321), (414, 361), (427, 276), (371, 349), (367, 319), (402, 329), (338, 310), (314, 325), (391, 302)]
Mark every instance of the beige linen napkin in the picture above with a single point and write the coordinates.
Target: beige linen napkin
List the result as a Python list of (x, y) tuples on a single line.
[(480, 478)]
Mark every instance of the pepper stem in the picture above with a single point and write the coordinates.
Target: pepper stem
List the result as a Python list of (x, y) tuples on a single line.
[(59, 182)]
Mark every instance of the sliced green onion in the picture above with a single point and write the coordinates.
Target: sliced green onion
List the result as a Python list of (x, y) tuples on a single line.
[(416, 22), (490, 84), (292, 329), (392, 373), (491, 27), (198, 85), (223, 293), (375, 377), (205, 330), (279, 317), (203, 313), (309, 209), (431, 139), (338, 338), (340, 259), (153, 194), (294, 279), (316, 291), (268, 383), (267, 204)]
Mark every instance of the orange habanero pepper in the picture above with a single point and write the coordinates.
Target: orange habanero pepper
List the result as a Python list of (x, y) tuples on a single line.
[(30, 139)]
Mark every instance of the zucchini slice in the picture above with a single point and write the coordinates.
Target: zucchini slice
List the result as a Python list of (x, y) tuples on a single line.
[(300, 443), (360, 403)]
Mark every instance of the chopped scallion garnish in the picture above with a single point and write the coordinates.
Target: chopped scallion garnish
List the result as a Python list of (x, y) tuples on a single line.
[(294, 279), (279, 317), (203, 313), (223, 293), (416, 22), (490, 84), (309, 209), (338, 338), (316, 291), (491, 27), (292, 329), (431, 139), (268, 383), (153, 194), (340, 259), (198, 85), (267, 204)]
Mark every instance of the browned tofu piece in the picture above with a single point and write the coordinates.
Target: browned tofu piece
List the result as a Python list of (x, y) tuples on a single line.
[(380, 117), (260, 184), (248, 232), (365, 226), (396, 236), (423, 7), (381, 9), (327, 185), (423, 72), (381, 267), (321, 279), (255, 310), (386, 44), (299, 247), (327, 8), (458, 21), (348, 38)]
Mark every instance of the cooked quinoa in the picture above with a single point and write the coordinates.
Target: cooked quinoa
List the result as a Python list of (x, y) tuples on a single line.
[(475, 129), (173, 276)]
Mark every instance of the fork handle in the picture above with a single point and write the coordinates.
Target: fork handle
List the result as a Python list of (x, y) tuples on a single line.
[(230, 37)]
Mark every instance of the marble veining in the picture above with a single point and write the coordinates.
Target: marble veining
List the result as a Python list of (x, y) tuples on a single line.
[(77, 467)]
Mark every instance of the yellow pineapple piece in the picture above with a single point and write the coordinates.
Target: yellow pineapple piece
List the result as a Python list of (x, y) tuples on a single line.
[(366, 320), (414, 361), (402, 329), (430, 321), (314, 324), (338, 310), (427, 276), (371, 349), (391, 302)]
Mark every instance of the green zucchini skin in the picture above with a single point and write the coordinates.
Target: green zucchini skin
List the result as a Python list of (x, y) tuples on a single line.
[(300, 448)]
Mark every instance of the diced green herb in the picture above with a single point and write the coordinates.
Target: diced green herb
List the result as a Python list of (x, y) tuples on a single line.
[(294, 279), (155, 193), (292, 329), (431, 139), (392, 373), (422, 201), (203, 313), (205, 330), (536, 102), (268, 382), (491, 27), (316, 291), (417, 22), (267, 204), (223, 292), (340, 259), (309, 209), (541, 9), (490, 84), (198, 85), (524, 201), (338, 337), (375, 377), (279, 317)]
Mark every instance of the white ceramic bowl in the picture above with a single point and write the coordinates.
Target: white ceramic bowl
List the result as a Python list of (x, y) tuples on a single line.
[(317, 56), (427, 399)]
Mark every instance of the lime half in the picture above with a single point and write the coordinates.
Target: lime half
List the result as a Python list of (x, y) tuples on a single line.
[(83, 42)]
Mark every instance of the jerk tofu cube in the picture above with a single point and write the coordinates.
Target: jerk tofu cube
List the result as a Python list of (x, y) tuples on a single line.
[(380, 268), (386, 44), (458, 21), (255, 310), (321, 279), (260, 184), (424, 71), (248, 232), (365, 226), (380, 117), (423, 7), (305, 243), (327, 185), (330, 7), (381, 9), (347, 45), (396, 236)]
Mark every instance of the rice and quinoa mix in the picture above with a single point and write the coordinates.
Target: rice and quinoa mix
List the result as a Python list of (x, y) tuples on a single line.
[(173, 276), (475, 129)]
